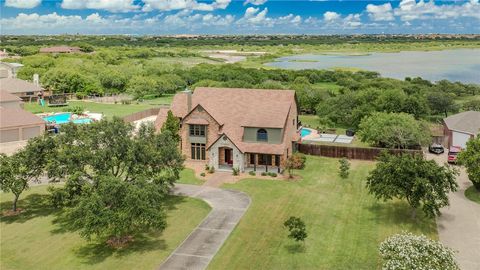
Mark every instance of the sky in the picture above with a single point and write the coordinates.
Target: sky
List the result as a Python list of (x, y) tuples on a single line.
[(160, 17)]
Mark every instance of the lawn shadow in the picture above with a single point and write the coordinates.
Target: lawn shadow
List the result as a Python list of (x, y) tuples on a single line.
[(172, 202), (295, 248), (96, 252), (34, 205)]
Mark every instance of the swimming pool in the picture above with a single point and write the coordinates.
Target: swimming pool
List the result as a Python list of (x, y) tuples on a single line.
[(62, 118), (305, 132)]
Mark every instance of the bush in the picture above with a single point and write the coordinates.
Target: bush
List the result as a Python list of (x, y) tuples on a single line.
[(344, 168), (409, 251), (264, 174), (207, 168), (235, 171), (202, 174), (80, 95), (252, 173), (126, 101), (77, 109), (272, 174), (211, 169)]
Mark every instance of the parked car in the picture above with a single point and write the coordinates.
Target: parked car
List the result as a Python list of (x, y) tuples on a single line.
[(436, 148), (452, 154)]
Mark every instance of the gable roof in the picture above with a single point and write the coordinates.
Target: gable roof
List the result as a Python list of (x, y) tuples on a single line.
[(468, 122), (5, 96), (22, 118), (14, 85), (237, 108)]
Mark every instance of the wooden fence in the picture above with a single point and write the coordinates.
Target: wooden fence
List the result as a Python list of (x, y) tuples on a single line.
[(365, 153), (140, 115)]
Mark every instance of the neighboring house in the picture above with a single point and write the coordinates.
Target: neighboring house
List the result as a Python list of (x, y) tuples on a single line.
[(9, 70), (3, 54), (17, 124), (236, 128), (60, 49), (461, 127), (27, 91)]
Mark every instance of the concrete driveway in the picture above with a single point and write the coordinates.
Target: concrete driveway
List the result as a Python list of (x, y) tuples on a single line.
[(459, 225), (198, 249)]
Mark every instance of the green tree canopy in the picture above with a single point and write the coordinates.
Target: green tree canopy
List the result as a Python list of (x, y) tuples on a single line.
[(172, 124), (470, 158), (140, 86), (423, 183)]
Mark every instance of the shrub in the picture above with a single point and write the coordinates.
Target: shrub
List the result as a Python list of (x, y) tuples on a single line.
[(272, 174), (80, 95), (207, 168), (344, 169), (294, 162), (264, 174), (235, 171), (202, 174), (252, 173), (409, 251), (297, 228), (77, 109), (126, 102), (211, 169)]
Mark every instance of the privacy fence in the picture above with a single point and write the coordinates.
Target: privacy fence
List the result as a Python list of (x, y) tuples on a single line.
[(140, 115), (365, 153)]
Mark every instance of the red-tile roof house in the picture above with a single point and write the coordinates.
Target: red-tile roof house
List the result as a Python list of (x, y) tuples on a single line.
[(236, 128)]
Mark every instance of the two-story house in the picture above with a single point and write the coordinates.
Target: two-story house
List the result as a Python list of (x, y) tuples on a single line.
[(236, 128)]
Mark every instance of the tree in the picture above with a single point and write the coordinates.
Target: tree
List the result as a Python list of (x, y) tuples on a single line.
[(423, 183), (409, 251), (172, 124), (344, 167), (297, 229), (115, 210), (441, 102), (470, 158), (23, 167), (140, 86), (294, 162), (393, 130)]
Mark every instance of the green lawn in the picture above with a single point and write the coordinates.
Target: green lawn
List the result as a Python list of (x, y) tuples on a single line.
[(473, 194), (345, 224), (187, 176), (109, 110), (33, 241)]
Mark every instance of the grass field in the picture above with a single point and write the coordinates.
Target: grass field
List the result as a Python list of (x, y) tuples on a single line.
[(345, 224), (472, 194), (187, 176), (33, 241)]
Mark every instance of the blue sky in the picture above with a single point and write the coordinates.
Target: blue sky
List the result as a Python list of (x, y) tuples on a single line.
[(238, 16)]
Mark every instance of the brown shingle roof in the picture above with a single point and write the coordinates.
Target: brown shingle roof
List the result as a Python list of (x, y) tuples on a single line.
[(5, 96), (14, 85), (11, 118), (468, 122), (236, 108), (161, 118)]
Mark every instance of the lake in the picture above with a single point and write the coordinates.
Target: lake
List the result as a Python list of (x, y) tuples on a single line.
[(455, 65)]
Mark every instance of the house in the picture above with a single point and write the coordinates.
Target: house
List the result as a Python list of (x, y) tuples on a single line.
[(25, 90), (9, 70), (60, 49), (3, 54), (236, 128), (461, 127), (17, 124)]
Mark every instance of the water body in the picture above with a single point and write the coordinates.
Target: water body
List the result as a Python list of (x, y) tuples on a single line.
[(461, 65)]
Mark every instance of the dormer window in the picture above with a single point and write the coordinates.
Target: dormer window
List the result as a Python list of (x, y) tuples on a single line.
[(197, 130), (262, 135)]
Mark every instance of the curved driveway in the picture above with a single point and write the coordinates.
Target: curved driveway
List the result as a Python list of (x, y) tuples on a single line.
[(198, 249)]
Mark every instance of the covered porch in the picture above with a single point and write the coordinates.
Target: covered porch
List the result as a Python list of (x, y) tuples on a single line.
[(263, 162)]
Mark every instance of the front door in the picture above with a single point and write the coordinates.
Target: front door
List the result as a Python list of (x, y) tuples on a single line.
[(228, 156)]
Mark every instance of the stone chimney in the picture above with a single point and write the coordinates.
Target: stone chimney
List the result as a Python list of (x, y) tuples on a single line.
[(36, 79), (188, 92)]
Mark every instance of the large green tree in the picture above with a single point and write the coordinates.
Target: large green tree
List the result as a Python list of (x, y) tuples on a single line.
[(422, 183), (470, 158), (394, 130), (19, 170)]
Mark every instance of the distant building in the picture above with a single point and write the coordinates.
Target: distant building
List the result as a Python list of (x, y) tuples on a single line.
[(60, 49), (9, 70), (3, 54), (461, 127), (25, 90), (17, 124)]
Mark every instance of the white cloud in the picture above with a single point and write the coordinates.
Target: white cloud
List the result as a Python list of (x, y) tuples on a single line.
[(22, 3), (109, 5), (409, 10), (166, 5), (352, 21), (380, 12), (255, 2), (331, 16)]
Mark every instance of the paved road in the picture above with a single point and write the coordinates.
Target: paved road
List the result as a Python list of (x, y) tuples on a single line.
[(202, 244), (459, 224)]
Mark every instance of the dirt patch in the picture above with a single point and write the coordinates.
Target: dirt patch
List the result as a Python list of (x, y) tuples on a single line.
[(119, 242), (11, 213)]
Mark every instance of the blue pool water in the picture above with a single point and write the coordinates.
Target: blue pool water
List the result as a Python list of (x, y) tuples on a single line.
[(304, 132), (63, 118)]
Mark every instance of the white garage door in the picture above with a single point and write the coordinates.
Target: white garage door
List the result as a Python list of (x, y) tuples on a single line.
[(460, 139)]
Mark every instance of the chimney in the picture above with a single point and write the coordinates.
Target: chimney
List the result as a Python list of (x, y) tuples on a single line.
[(36, 80), (188, 92)]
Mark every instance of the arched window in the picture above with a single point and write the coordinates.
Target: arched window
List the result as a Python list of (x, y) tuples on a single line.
[(262, 135)]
